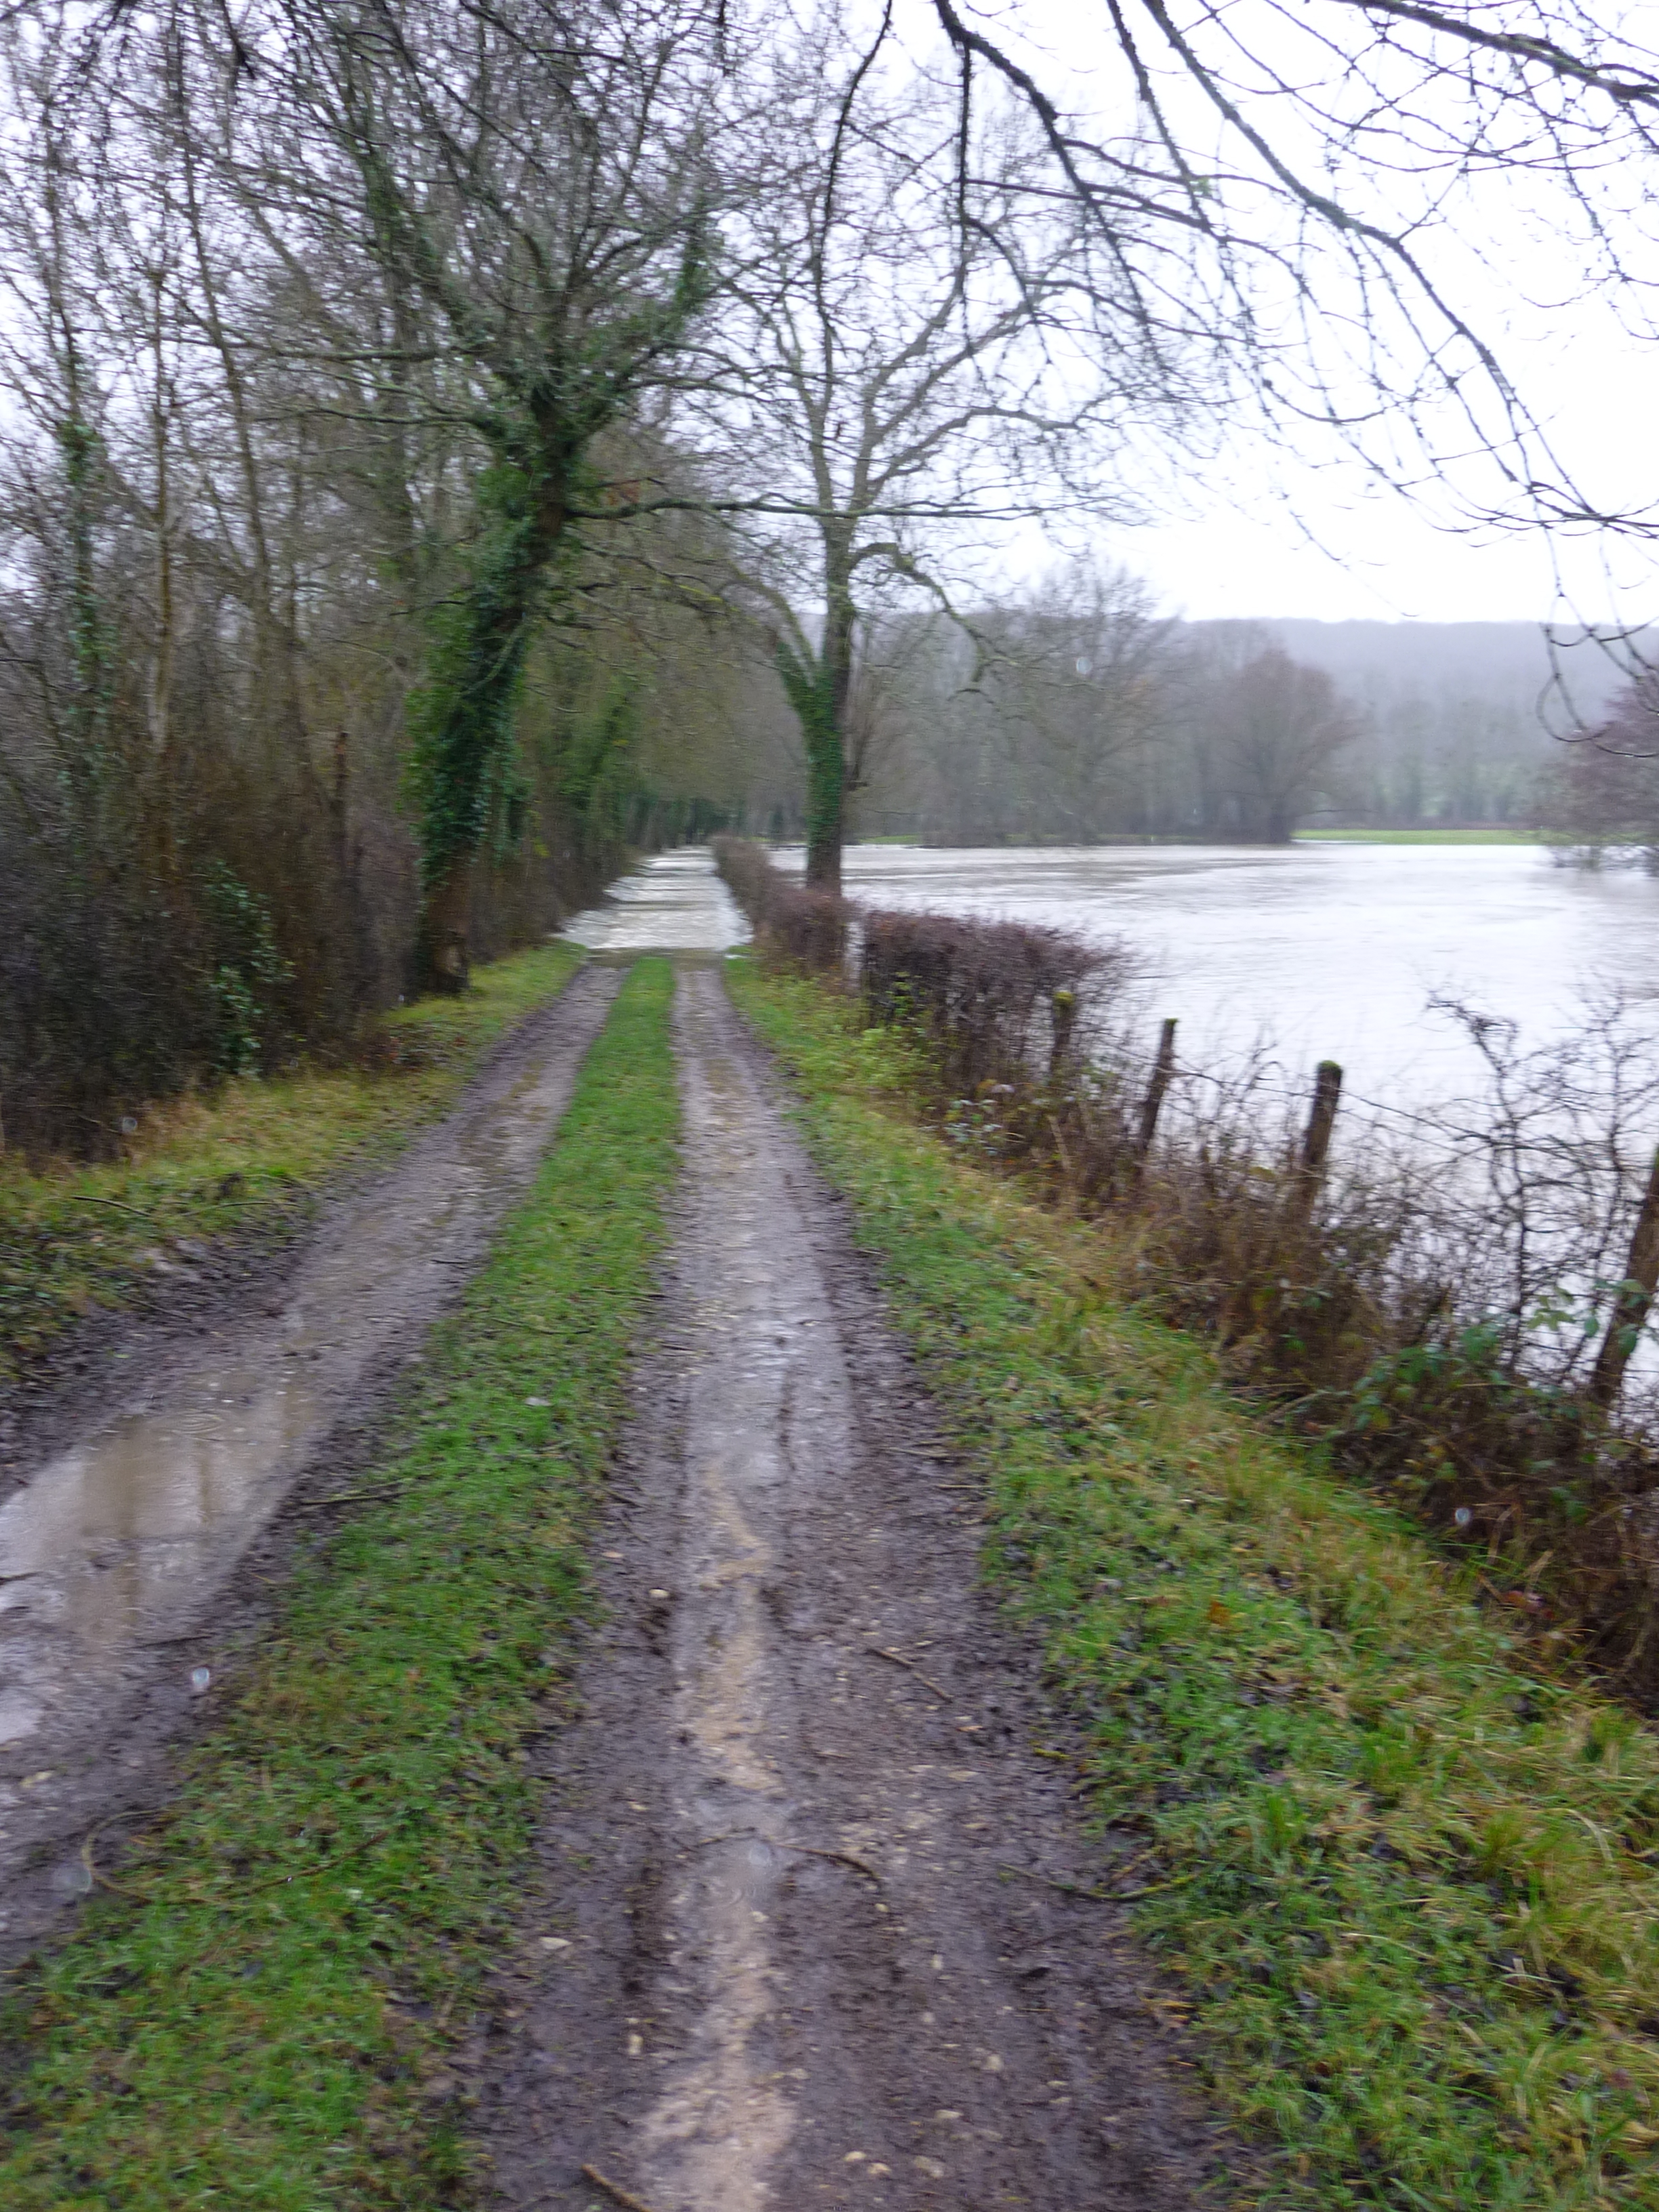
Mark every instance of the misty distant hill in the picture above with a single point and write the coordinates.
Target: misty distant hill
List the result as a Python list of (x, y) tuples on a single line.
[(1381, 665), (1458, 719)]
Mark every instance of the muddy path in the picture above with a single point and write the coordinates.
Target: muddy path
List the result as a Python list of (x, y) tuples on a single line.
[(773, 1957), (134, 1558)]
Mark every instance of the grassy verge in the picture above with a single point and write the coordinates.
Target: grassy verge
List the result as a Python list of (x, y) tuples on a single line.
[(1418, 836), (1409, 1887), (261, 2018), (244, 1160)]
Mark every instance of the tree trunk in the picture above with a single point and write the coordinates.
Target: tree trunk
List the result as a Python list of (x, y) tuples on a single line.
[(470, 695), (444, 952), (826, 809), (824, 728)]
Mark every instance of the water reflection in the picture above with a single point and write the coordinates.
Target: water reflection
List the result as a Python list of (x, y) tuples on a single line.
[(117, 1543)]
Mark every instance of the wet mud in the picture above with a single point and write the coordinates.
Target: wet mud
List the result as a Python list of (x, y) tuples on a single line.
[(130, 1560), (774, 1956)]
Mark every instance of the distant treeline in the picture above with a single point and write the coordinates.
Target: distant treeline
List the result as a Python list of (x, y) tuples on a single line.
[(1077, 712)]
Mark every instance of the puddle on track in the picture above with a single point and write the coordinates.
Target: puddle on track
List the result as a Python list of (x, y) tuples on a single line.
[(117, 1548), (674, 902)]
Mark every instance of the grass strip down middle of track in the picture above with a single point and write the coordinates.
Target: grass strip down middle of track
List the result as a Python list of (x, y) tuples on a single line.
[(263, 2018)]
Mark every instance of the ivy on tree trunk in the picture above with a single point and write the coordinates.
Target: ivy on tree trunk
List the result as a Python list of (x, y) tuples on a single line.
[(463, 718), (818, 686)]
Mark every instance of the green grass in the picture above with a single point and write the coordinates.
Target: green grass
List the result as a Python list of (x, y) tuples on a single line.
[(1405, 1889), (248, 2026), (1418, 836), (248, 1159)]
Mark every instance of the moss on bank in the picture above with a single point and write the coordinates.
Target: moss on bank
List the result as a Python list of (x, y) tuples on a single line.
[(260, 2015), (244, 1160), (1407, 1887)]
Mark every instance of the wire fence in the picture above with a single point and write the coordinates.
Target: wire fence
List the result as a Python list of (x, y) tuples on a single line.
[(1454, 1295)]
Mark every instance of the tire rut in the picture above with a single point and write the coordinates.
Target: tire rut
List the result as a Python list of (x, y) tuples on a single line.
[(130, 1559), (772, 1956)]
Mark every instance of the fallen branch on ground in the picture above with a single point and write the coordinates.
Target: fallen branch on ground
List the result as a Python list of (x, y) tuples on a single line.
[(876, 1651), (615, 2191)]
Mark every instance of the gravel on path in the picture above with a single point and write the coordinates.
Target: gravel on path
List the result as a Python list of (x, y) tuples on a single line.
[(775, 1956)]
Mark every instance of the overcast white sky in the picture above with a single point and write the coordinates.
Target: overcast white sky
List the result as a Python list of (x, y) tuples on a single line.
[(1275, 533), (1315, 538)]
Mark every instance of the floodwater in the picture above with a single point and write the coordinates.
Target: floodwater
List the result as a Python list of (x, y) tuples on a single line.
[(1331, 951), (674, 903)]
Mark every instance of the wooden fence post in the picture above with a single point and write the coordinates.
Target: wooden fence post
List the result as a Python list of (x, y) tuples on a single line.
[(1064, 1006), (1317, 1136), (1634, 1297), (1152, 1104)]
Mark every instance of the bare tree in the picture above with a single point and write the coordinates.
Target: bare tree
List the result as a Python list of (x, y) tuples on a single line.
[(1266, 733), (1299, 188), (1602, 801), (914, 358), (1080, 683), (529, 184), (253, 486)]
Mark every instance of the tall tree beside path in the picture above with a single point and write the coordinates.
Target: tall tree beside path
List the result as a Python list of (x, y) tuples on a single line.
[(532, 182), (915, 355)]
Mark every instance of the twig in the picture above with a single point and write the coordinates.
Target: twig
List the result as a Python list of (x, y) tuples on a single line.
[(1101, 1896), (1065, 1157), (615, 2191), (876, 1650), (788, 1844), (103, 1881), (77, 1197), (1151, 1888), (351, 1496), (1067, 1888), (841, 1858)]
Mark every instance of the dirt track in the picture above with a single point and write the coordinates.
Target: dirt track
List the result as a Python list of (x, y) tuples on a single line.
[(131, 1560), (776, 1959)]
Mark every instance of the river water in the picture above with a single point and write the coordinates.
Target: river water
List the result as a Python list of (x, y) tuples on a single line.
[(1326, 951), (1331, 951)]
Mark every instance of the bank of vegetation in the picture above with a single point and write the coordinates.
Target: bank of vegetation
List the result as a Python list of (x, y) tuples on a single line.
[(1450, 1303), (245, 1160), (264, 1998), (1399, 1868)]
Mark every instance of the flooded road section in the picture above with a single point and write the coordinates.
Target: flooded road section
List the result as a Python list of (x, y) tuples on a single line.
[(673, 903), (782, 1965), (114, 1554)]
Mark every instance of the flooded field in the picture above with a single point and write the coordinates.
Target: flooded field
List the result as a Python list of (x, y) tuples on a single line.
[(1332, 949), (675, 903)]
